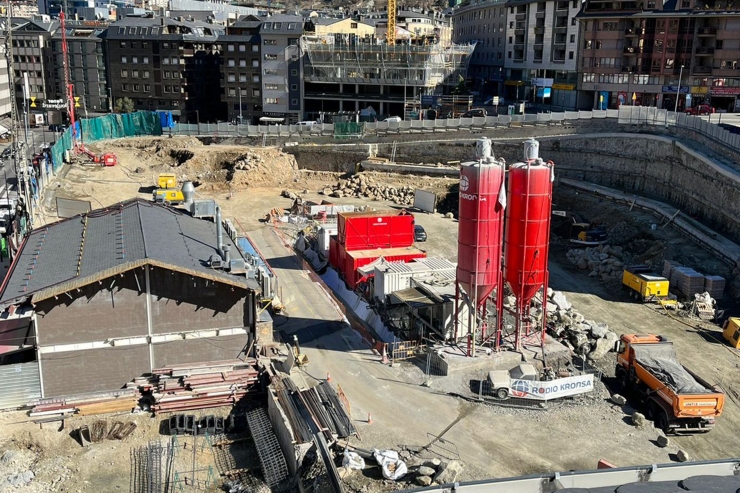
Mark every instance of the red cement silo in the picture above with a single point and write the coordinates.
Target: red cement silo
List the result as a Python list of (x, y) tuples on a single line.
[(528, 210), (480, 230)]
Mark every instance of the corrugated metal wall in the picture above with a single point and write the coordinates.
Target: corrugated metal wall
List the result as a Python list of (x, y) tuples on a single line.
[(21, 384)]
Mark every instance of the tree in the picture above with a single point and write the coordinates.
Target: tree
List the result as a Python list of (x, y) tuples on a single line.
[(124, 105), (461, 87)]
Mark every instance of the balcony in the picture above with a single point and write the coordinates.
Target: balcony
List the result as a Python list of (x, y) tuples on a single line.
[(560, 29), (703, 69), (707, 31), (539, 30), (634, 31), (521, 17), (540, 15), (518, 60), (629, 68), (704, 51)]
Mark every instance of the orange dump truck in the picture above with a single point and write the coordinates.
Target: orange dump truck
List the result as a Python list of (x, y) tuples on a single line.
[(675, 398)]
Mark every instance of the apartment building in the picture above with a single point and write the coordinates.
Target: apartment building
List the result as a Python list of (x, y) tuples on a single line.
[(282, 70), (659, 54), (162, 63), (241, 81), (31, 42), (483, 22), (5, 95), (541, 52), (87, 72), (412, 24)]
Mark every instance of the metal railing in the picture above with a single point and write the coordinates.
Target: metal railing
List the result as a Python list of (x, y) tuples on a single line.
[(627, 115)]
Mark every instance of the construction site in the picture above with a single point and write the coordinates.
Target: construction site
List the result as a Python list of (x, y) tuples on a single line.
[(221, 314)]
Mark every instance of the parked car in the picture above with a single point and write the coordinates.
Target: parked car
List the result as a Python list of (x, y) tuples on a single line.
[(419, 233), (475, 112), (306, 124), (7, 152), (393, 119), (701, 109), (489, 102)]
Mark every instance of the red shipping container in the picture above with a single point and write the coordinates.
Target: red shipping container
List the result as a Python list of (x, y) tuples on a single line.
[(369, 230), (358, 258)]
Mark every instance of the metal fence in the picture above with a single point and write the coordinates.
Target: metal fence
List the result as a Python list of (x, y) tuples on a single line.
[(627, 115)]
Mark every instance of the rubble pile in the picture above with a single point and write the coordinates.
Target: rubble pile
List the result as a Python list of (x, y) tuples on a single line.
[(584, 337), (603, 262), (248, 161), (360, 185)]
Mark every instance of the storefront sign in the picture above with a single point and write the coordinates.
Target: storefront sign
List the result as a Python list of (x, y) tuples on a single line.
[(541, 82), (431, 100), (699, 90), (725, 91), (54, 104), (674, 89), (564, 87), (561, 387)]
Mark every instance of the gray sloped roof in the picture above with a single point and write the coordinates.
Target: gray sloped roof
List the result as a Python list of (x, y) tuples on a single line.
[(112, 240)]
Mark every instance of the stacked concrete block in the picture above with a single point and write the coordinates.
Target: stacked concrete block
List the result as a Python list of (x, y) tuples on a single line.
[(688, 281), (715, 286)]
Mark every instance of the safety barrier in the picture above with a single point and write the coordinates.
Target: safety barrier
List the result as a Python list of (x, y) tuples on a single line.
[(627, 115)]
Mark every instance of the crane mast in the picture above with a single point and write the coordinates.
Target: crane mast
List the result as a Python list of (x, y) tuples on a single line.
[(69, 88), (390, 35)]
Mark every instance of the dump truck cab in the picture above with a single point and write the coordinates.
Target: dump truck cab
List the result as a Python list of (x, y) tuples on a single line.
[(675, 398)]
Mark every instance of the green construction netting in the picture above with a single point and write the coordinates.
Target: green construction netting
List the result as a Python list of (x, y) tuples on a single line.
[(112, 126), (348, 130)]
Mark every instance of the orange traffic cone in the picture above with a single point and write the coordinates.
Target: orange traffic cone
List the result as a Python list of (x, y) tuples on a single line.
[(369, 419)]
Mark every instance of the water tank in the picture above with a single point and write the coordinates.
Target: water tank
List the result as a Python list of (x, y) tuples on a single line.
[(529, 204), (483, 148), (480, 228), (531, 149), (188, 191)]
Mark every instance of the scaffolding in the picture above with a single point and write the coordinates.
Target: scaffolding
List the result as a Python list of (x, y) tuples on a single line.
[(367, 60)]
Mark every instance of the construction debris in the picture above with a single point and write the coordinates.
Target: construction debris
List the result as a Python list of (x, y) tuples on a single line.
[(360, 185), (603, 262), (98, 403)]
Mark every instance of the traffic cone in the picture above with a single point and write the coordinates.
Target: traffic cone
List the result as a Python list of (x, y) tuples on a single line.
[(328, 377), (369, 419)]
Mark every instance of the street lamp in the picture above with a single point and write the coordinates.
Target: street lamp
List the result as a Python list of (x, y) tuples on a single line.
[(678, 92)]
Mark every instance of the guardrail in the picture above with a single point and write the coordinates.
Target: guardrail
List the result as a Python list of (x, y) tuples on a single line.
[(627, 115)]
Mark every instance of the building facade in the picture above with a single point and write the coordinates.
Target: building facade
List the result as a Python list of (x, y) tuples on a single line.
[(31, 50), (166, 64), (483, 22), (685, 52), (5, 95), (541, 52), (87, 71), (282, 70), (241, 80)]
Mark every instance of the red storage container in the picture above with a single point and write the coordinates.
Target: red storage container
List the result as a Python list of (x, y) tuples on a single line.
[(368, 230), (358, 258), (527, 237)]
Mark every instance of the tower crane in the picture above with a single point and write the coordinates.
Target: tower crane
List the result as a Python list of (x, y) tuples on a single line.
[(390, 35), (107, 159)]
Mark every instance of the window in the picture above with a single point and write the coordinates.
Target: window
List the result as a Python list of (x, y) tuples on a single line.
[(145, 44), (135, 59), (270, 71), (271, 100), (166, 75), (270, 56), (124, 59), (242, 63), (267, 25), (124, 87), (230, 48), (294, 72), (231, 78), (291, 26), (231, 63), (137, 87), (124, 73), (166, 88), (685, 4), (277, 25), (242, 48), (294, 102), (256, 78), (176, 75), (232, 91), (133, 45), (145, 74), (256, 93), (242, 77), (294, 87), (135, 74), (123, 44), (243, 92), (255, 63), (353, 25), (271, 87), (509, 56), (572, 38), (165, 46), (587, 44), (145, 59), (570, 55), (147, 88), (573, 21), (256, 47), (165, 61), (292, 41)]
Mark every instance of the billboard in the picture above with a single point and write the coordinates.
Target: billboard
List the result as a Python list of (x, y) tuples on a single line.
[(553, 389)]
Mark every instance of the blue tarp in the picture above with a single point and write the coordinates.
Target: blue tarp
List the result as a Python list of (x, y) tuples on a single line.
[(165, 119)]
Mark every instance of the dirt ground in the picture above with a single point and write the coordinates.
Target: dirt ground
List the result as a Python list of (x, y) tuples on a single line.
[(491, 441)]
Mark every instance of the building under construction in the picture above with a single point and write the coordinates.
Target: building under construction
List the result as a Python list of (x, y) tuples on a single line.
[(343, 72)]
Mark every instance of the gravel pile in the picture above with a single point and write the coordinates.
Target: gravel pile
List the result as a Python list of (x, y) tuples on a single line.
[(603, 262)]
